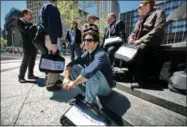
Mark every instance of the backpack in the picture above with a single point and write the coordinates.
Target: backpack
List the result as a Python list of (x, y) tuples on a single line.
[(36, 32), (177, 82)]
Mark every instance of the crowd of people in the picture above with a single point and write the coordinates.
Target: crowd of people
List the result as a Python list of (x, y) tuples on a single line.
[(91, 61)]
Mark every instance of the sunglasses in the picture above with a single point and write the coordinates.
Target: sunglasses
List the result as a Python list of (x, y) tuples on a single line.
[(142, 4), (88, 40)]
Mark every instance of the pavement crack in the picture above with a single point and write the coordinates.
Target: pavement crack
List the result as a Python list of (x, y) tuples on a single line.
[(22, 105)]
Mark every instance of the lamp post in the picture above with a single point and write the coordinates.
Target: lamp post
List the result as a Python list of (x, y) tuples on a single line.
[(6, 35), (12, 37)]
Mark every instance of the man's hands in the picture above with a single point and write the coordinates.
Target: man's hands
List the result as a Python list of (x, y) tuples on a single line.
[(135, 42), (53, 48), (67, 84)]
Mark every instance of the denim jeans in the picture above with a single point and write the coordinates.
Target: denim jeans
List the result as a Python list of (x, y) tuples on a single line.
[(96, 85)]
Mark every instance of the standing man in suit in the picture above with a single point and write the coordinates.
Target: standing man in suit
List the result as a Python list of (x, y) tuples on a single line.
[(115, 29), (149, 34), (50, 19), (29, 49), (73, 37)]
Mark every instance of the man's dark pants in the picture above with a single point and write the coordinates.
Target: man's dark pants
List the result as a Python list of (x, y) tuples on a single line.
[(111, 50), (75, 50), (143, 64), (28, 60)]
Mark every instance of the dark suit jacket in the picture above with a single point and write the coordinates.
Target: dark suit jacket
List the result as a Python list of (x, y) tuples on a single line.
[(152, 33), (115, 29), (23, 27), (78, 37)]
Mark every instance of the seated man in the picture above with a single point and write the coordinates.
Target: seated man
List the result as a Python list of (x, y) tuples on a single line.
[(115, 28), (149, 33), (93, 69)]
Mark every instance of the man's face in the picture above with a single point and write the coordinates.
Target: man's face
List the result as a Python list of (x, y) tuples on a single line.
[(110, 19), (143, 9), (91, 20), (73, 25), (89, 42), (28, 16)]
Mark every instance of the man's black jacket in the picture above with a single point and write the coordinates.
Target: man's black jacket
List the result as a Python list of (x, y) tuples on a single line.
[(116, 29), (78, 39), (23, 27)]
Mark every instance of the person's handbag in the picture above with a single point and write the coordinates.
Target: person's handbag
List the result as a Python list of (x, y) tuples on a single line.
[(51, 63), (38, 37), (177, 82), (127, 52), (112, 40)]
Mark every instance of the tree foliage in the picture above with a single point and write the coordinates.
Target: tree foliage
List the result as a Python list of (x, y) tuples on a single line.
[(3, 42), (70, 11)]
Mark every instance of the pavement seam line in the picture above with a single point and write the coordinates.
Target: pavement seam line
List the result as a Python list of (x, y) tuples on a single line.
[(22, 106)]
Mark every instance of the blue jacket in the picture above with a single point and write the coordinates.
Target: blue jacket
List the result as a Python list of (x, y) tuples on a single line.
[(98, 60), (50, 19)]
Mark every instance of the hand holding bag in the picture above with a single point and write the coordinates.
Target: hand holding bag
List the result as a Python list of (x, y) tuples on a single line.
[(51, 63)]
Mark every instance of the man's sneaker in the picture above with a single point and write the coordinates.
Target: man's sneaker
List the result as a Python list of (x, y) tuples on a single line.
[(76, 99), (54, 88), (94, 108), (32, 77)]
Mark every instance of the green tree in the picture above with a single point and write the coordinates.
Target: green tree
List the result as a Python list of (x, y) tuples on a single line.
[(70, 11), (3, 43)]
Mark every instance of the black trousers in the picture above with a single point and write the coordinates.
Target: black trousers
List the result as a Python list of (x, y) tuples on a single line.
[(75, 50), (111, 50), (28, 61), (142, 64)]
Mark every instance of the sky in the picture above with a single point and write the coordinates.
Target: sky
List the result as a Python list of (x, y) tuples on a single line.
[(7, 5)]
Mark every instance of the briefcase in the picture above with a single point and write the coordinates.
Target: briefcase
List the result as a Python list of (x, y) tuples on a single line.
[(127, 52), (51, 63), (112, 41), (80, 115)]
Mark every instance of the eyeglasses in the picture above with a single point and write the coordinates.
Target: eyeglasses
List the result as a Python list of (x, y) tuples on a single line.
[(88, 40), (142, 4)]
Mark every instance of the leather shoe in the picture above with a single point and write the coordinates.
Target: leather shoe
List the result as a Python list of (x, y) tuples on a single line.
[(135, 85), (22, 80), (32, 77), (94, 108), (76, 99)]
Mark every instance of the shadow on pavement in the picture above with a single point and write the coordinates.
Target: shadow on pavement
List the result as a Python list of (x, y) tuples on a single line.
[(64, 95), (115, 106), (40, 82), (159, 85)]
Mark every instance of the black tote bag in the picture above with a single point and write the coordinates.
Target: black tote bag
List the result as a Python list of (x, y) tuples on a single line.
[(52, 63)]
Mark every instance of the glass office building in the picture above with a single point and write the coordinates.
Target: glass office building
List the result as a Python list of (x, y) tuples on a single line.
[(175, 32)]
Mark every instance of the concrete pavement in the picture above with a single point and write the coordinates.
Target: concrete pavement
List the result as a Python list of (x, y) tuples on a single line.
[(30, 103)]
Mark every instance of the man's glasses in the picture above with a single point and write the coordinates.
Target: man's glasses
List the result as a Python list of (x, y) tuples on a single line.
[(88, 40), (142, 4)]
